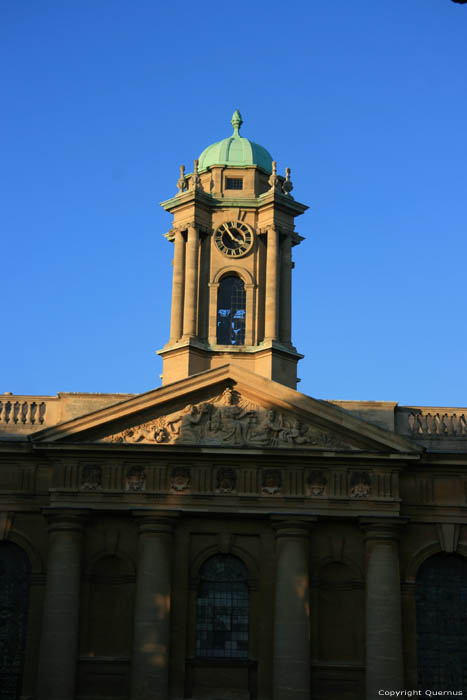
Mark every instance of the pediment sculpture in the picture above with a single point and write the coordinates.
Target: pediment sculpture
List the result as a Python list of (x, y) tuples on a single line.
[(228, 420)]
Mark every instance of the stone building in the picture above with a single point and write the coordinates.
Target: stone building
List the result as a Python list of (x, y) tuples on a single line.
[(225, 536)]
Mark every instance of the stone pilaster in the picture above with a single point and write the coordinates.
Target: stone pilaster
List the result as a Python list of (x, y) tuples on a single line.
[(292, 656), (178, 288), (151, 644), (286, 291), (384, 664), (272, 281), (60, 627), (191, 283)]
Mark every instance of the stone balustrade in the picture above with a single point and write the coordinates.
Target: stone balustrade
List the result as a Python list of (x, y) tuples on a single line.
[(443, 423), (22, 410)]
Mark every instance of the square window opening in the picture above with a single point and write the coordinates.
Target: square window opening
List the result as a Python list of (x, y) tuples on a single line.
[(234, 183)]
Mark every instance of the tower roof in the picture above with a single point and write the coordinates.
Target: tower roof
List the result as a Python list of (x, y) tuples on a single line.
[(236, 150)]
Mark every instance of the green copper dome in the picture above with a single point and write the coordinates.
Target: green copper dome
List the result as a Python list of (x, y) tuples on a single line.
[(236, 150)]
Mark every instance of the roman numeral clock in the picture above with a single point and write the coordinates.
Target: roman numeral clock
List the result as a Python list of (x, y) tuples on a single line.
[(233, 239)]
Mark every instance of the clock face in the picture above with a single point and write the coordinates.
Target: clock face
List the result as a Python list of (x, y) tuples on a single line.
[(233, 238)]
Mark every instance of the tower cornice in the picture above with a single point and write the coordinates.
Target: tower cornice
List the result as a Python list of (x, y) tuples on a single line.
[(275, 199)]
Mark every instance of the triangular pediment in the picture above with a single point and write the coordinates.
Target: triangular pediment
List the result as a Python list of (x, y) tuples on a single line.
[(227, 407)]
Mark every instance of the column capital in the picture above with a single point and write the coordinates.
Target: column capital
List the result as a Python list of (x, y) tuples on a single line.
[(378, 528), (153, 522), (292, 527), (66, 519)]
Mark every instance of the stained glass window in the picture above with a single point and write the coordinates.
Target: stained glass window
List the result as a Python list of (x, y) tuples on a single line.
[(231, 303), (442, 623), (222, 609)]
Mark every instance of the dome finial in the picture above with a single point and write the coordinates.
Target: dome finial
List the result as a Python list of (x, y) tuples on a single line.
[(236, 122)]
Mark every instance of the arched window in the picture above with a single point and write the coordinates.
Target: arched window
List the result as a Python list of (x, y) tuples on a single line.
[(231, 311), (14, 575), (222, 609), (442, 623)]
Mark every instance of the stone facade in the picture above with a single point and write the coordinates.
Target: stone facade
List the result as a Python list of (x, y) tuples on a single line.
[(225, 536)]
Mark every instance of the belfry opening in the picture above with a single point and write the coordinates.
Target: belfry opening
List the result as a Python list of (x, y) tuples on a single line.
[(231, 311)]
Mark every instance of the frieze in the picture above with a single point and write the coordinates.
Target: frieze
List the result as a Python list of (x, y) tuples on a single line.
[(230, 420), (272, 482), (316, 483), (360, 485), (135, 479), (180, 479), (226, 480), (91, 478)]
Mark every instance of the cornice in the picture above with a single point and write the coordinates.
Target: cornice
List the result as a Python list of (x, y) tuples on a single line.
[(278, 199)]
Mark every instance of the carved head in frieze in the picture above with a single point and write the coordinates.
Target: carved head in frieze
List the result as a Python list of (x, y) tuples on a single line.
[(135, 479), (272, 481), (226, 480), (316, 483), (360, 485), (181, 479), (91, 477)]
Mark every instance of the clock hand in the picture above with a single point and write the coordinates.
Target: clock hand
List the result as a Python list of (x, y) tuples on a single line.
[(234, 238)]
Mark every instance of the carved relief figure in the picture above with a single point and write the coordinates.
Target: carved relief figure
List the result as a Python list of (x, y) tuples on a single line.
[(266, 430), (234, 428), (229, 419), (296, 435), (181, 479), (226, 480), (91, 478), (184, 426), (152, 431), (360, 485), (272, 481), (316, 483), (135, 479)]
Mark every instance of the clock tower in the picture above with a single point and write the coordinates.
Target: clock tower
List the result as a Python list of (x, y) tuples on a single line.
[(233, 233)]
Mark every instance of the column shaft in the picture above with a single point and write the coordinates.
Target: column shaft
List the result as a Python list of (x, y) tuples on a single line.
[(292, 617), (271, 285), (59, 640), (178, 288), (384, 664), (213, 292), (191, 283), (286, 291), (250, 314), (150, 662)]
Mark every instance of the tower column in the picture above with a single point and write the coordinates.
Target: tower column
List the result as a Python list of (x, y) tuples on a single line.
[(191, 283), (250, 314), (59, 640), (271, 285), (384, 664), (292, 658), (178, 284), (150, 661), (286, 291), (213, 291)]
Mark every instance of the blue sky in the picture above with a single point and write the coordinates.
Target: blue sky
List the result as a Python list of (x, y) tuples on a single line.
[(366, 102)]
